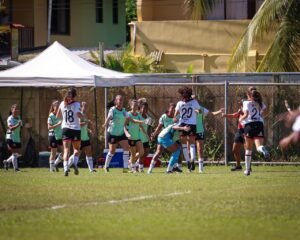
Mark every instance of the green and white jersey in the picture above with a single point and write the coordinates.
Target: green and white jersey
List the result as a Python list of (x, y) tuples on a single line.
[(144, 138), (57, 132), (13, 135), (167, 132), (134, 128), (166, 121), (84, 130), (200, 120), (118, 118)]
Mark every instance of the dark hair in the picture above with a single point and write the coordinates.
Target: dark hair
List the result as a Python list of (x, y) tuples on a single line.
[(144, 104), (185, 92), (256, 96), (70, 93), (170, 105), (12, 106)]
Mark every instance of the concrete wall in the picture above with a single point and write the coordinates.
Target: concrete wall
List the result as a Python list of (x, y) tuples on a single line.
[(85, 32), (206, 45)]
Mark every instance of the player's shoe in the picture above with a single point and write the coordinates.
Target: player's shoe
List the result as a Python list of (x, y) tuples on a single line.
[(5, 164), (66, 173), (265, 153), (125, 170), (149, 171), (56, 168), (236, 168), (247, 172), (169, 172), (94, 170), (189, 166), (106, 170), (177, 169), (193, 166), (76, 171), (141, 170), (17, 170)]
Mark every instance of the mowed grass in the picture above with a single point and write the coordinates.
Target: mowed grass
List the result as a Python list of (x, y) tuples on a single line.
[(219, 204)]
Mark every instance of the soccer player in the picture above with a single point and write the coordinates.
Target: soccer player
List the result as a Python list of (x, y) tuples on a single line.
[(253, 123), (85, 145), (144, 134), (165, 139), (202, 113), (165, 120), (117, 133), (134, 129), (13, 138), (239, 139), (186, 108), (54, 136), (69, 112)]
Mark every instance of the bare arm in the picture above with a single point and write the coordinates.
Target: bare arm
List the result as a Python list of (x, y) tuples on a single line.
[(127, 134), (244, 116), (54, 126), (13, 127), (105, 124), (221, 110), (294, 137), (157, 130)]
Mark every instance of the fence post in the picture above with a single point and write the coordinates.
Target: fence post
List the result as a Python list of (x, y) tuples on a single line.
[(225, 123)]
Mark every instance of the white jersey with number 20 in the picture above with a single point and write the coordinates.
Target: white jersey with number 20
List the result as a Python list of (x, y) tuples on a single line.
[(254, 112), (187, 111), (69, 115)]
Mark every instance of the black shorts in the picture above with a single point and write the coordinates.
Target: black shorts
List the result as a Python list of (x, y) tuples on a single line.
[(254, 130), (53, 142), (112, 139), (71, 135), (84, 144), (13, 145), (200, 136), (192, 132), (239, 136), (146, 145), (132, 143)]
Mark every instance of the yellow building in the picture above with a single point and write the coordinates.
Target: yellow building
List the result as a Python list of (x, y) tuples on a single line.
[(75, 23), (205, 44)]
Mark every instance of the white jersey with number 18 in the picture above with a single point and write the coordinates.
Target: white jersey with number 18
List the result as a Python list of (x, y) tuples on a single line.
[(187, 111), (69, 113)]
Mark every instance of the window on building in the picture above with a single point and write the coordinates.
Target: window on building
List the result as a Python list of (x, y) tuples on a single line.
[(115, 11), (234, 9), (99, 11), (60, 23)]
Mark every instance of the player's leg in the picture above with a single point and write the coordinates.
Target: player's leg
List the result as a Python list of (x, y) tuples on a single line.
[(146, 147), (175, 150), (159, 150), (66, 145), (53, 152), (185, 150), (140, 153), (124, 144), (59, 157), (191, 140), (200, 147), (248, 154), (236, 149), (76, 148), (132, 158), (89, 159)]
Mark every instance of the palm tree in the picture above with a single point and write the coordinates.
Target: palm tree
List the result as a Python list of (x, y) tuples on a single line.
[(283, 16)]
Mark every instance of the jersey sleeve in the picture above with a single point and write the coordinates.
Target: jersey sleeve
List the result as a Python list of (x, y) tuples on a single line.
[(126, 114), (196, 105), (245, 106), (161, 119), (10, 121), (77, 107), (296, 125), (110, 113), (178, 105), (205, 111), (50, 121)]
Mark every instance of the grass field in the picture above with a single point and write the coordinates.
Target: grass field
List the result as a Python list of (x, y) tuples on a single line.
[(219, 204)]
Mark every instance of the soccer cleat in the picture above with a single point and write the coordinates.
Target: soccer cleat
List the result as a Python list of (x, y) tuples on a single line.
[(247, 172), (169, 172), (76, 171), (106, 170), (66, 173), (189, 166), (5, 164), (17, 170), (93, 171), (56, 168), (236, 168), (149, 171), (266, 153), (193, 166), (177, 169)]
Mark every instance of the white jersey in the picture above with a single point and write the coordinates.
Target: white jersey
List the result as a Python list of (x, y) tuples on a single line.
[(296, 125), (187, 111), (254, 112), (70, 115)]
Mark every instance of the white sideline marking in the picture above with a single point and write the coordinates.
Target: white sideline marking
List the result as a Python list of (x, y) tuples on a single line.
[(121, 200)]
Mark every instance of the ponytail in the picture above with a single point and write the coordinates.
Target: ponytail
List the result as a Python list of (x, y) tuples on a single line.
[(70, 93), (256, 96), (10, 110), (51, 110)]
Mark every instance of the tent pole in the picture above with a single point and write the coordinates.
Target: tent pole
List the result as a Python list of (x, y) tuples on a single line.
[(49, 22), (105, 113), (96, 123)]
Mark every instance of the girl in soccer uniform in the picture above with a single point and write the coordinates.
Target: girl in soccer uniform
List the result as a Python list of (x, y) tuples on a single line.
[(165, 120), (144, 134), (54, 136), (239, 139), (165, 139), (13, 138), (253, 124), (85, 145), (200, 134), (69, 111), (187, 109), (117, 133), (134, 129)]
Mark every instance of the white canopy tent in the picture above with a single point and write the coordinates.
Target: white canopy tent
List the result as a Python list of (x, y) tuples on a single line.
[(58, 67)]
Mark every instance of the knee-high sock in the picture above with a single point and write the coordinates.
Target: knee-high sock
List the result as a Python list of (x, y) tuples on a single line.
[(173, 159), (193, 152), (9, 160), (248, 155), (15, 161), (90, 163), (76, 159), (152, 165), (185, 153), (125, 159), (66, 166), (58, 159), (51, 165), (71, 160), (201, 160), (108, 158)]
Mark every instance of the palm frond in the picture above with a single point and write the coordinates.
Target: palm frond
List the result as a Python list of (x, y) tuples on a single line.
[(282, 56), (196, 9), (264, 20)]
